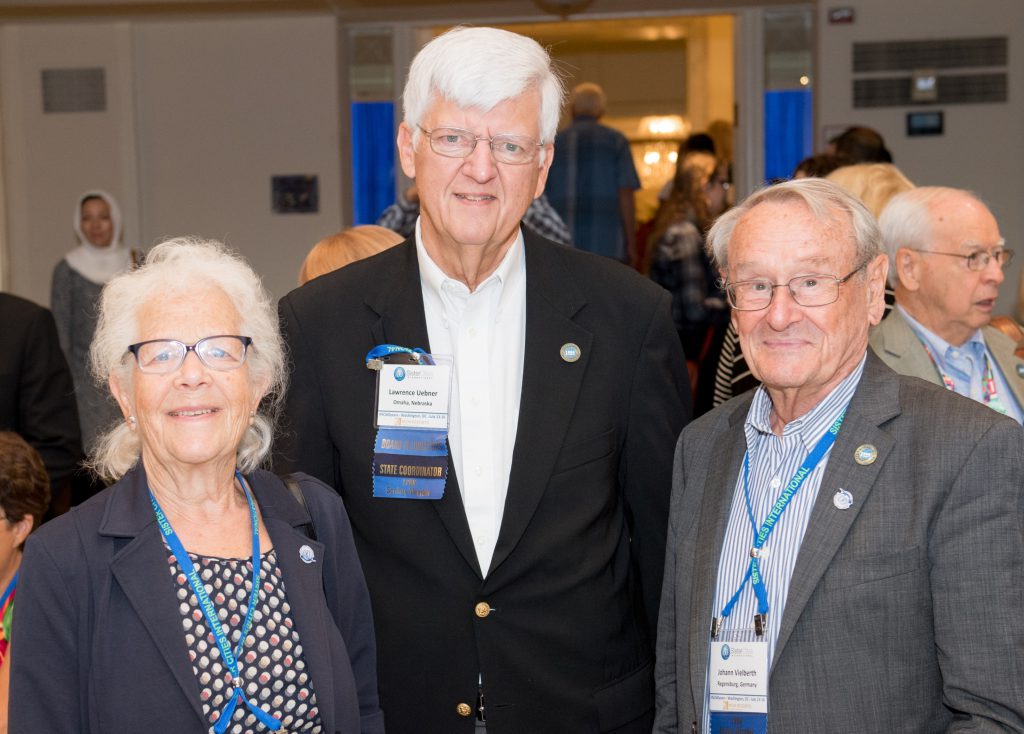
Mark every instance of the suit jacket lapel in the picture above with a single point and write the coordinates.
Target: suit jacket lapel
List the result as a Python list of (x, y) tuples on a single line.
[(399, 303), (138, 569), (907, 355), (550, 386), (875, 402), (1012, 366), (725, 460), (303, 585)]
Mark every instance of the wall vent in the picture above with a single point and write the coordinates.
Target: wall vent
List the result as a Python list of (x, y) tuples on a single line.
[(952, 89), (949, 53), (75, 90)]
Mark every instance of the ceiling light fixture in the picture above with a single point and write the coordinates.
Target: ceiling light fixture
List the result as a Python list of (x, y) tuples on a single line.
[(563, 8)]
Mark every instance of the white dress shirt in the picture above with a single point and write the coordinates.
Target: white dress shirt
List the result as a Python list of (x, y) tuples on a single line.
[(485, 332)]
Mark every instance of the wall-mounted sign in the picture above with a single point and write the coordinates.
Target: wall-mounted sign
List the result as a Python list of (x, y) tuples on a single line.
[(295, 194), (925, 123)]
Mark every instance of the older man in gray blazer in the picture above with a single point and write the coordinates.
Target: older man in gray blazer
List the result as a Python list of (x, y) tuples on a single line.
[(946, 260), (845, 544)]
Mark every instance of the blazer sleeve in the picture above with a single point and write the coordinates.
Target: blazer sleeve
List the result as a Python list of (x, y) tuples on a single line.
[(305, 442), (47, 413), (46, 688), (659, 408), (977, 581), (348, 598)]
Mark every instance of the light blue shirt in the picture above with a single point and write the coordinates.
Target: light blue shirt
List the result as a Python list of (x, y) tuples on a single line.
[(965, 366), (773, 462)]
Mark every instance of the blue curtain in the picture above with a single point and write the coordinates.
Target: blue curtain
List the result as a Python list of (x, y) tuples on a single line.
[(788, 131), (373, 159)]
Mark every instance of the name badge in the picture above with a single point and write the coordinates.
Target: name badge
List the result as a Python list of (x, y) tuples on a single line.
[(410, 452), (414, 395), (738, 686)]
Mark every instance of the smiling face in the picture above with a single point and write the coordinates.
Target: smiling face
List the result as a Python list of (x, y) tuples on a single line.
[(97, 224), (800, 351), (951, 300), (474, 202), (194, 415)]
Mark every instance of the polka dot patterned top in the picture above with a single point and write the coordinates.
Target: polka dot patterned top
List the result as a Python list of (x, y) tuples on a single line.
[(271, 661)]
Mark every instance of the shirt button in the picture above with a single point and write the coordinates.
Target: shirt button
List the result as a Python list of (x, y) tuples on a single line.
[(472, 331), (482, 539), (475, 400), (482, 609), (478, 470), (463, 709), (776, 483)]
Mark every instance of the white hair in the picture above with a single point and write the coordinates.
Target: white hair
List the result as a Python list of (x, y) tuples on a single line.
[(179, 266), (479, 68), (907, 221), (824, 199)]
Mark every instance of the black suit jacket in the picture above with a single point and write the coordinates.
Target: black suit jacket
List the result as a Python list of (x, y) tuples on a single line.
[(37, 397), (574, 581), (98, 642)]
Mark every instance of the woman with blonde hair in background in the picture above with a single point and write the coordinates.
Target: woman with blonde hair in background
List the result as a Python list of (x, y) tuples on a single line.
[(873, 183), (344, 248)]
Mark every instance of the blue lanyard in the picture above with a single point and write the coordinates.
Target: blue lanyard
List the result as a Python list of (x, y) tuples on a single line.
[(761, 536), (229, 657), (10, 589), (382, 351)]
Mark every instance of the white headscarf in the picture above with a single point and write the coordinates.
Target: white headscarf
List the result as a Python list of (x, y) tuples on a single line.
[(99, 264)]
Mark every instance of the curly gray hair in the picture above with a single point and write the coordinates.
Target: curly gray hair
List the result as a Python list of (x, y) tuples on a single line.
[(178, 266)]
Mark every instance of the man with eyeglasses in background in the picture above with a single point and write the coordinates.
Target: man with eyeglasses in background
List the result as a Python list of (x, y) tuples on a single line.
[(517, 594), (946, 261), (844, 549)]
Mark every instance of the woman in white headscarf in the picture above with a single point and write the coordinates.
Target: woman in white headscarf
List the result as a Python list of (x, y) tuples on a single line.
[(77, 281)]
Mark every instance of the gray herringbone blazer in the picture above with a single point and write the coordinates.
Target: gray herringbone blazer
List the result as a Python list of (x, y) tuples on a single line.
[(904, 611)]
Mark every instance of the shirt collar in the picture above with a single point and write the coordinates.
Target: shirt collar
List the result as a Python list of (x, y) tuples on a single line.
[(812, 425), (506, 275), (939, 347)]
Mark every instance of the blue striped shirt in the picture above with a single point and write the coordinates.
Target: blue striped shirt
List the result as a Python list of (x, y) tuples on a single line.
[(773, 462)]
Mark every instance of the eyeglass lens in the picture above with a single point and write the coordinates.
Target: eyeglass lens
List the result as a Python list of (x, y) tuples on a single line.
[(216, 352), (456, 143)]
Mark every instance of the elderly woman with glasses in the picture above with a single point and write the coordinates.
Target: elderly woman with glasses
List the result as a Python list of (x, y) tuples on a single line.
[(198, 593)]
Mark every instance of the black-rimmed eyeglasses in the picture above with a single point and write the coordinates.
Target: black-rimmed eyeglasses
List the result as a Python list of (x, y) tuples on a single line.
[(807, 290), (453, 142), (161, 356), (977, 260)]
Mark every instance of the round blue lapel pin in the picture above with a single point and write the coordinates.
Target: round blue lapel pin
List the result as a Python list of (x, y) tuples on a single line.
[(865, 454), (570, 352)]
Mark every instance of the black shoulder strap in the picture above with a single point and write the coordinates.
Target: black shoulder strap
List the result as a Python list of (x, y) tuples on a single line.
[(293, 486)]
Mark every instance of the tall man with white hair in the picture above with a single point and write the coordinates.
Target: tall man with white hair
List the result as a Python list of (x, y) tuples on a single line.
[(844, 550), (513, 543), (946, 264)]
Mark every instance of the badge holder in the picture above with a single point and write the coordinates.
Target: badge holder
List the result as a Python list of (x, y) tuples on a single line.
[(410, 452), (738, 682)]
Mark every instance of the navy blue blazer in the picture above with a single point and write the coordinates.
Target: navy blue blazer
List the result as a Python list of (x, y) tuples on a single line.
[(97, 640)]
